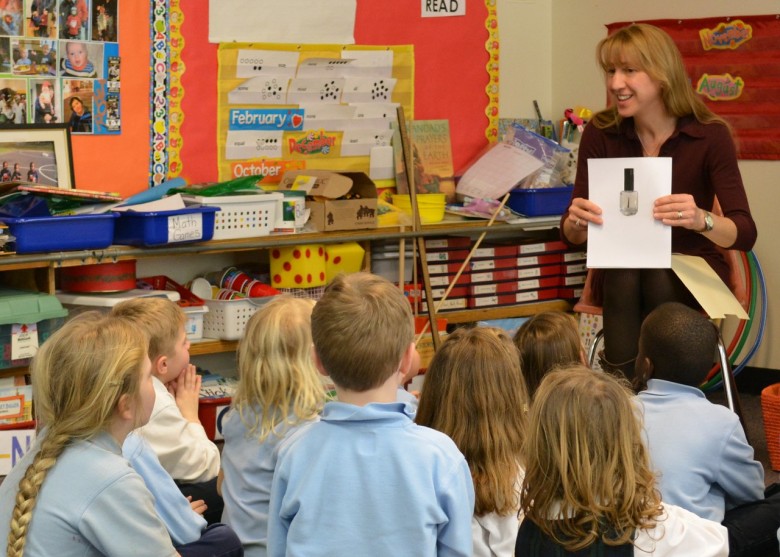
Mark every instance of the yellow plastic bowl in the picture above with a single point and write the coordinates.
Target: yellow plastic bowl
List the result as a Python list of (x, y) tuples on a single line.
[(429, 205)]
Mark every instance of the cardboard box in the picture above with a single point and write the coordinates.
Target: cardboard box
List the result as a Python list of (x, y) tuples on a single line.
[(340, 201)]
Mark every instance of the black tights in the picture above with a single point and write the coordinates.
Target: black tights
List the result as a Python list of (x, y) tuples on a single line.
[(629, 295)]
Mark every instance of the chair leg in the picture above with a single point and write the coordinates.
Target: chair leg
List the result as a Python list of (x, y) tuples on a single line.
[(729, 383), (593, 350)]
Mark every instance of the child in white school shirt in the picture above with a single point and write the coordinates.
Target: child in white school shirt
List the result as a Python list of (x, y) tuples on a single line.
[(174, 430)]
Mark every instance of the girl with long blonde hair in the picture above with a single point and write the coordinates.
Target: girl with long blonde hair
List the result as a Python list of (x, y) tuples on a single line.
[(73, 493), (475, 393), (589, 488), (279, 391)]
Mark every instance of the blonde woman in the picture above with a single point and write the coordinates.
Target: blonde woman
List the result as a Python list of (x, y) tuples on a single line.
[(588, 487), (655, 112), (279, 391), (475, 393), (73, 493)]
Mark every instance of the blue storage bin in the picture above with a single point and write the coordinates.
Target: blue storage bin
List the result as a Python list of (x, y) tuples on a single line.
[(158, 228), (537, 202), (71, 232)]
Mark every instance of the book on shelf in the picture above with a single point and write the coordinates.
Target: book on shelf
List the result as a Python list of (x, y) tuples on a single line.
[(431, 158)]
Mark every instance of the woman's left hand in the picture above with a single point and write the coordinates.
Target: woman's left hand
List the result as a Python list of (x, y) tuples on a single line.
[(679, 209)]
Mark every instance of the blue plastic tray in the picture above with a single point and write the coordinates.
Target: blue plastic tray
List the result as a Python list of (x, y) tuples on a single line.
[(73, 232), (158, 228), (537, 202)]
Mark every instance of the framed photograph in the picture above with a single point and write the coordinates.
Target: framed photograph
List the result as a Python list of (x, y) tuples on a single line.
[(39, 154)]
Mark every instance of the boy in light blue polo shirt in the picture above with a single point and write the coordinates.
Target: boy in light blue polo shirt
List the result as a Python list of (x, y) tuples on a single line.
[(366, 479)]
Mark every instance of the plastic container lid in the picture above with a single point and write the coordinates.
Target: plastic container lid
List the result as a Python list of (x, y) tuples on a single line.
[(19, 306), (109, 300)]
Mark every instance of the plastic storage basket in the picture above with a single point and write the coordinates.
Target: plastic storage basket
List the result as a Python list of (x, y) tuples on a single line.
[(74, 232), (227, 319), (242, 216), (536, 202), (770, 410), (157, 228)]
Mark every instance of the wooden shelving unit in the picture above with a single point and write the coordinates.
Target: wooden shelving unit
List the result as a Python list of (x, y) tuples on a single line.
[(39, 270)]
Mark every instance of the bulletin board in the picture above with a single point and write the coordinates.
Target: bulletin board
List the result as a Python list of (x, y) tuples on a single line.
[(451, 74)]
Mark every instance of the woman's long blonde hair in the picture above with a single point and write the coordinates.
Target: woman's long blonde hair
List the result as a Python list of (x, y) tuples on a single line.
[(653, 51), (278, 384), (475, 393), (78, 377), (587, 474)]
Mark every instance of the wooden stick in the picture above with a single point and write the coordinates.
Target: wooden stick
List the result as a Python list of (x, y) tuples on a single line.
[(464, 264), (417, 224)]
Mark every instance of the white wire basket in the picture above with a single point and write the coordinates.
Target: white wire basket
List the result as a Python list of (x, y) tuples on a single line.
[(242, 216), (227, 319)]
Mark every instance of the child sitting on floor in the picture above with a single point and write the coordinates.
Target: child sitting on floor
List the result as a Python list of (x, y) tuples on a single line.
[(699, 449), (279, 390), (545, 341), (475, 393), (588, 487), (366, 479), (174, 430), (73, 493)]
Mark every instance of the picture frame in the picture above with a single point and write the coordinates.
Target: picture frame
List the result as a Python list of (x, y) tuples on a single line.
[(45, 149)]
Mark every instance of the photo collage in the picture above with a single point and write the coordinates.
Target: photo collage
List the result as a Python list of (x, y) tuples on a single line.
[(59, 64)]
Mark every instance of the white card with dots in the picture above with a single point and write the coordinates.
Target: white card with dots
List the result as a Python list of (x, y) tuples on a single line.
[(261, 90), (368, 89), (316, 89)]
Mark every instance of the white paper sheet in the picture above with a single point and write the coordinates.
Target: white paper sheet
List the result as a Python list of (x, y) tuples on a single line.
[(170, 203), (323, 67), (275, 63), (368, 89), (263, 89), (291, 21), (497, 171), (358, 143), (630, 242), (315, 90), (253, 144)]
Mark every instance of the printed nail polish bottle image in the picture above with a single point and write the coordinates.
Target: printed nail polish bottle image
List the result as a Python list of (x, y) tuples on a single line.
[(629, 199)]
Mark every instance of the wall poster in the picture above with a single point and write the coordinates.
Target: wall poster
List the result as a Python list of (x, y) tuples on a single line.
[(59, 64), (732, 64)]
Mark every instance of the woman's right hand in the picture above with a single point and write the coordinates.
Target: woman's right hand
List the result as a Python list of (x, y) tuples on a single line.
[(581, 212)]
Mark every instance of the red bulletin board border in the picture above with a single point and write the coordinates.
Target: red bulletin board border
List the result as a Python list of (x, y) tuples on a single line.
[(450, 75), (733, 64)]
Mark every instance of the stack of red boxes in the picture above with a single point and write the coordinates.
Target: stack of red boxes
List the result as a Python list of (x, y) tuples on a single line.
[(503, 273)]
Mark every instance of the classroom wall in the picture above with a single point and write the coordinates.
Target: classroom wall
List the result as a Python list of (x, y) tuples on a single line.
[(548, 46)]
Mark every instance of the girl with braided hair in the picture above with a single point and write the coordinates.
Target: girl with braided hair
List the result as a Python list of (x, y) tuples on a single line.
[(73, 493)]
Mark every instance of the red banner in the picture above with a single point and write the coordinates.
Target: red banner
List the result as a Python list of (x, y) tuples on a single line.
[(734, 64)]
